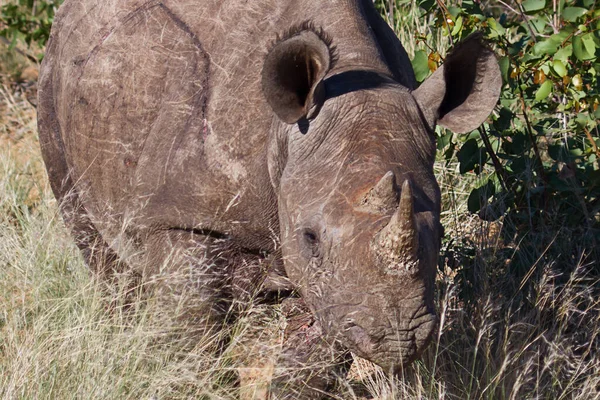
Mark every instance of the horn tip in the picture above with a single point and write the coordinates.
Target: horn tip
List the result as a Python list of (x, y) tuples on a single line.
[(387, 182), (407, 185)]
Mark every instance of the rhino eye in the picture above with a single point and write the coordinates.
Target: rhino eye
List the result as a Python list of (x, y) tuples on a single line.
[(310, 243)]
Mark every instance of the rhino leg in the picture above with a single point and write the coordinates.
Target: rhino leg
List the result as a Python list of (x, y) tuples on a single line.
[(309, 364), (100, 258)]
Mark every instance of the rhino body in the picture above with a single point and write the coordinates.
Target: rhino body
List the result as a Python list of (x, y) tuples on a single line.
[(284, 140)]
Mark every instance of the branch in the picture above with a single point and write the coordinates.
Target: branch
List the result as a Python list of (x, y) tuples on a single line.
[(497, 164), (592, 141), (531, 32)]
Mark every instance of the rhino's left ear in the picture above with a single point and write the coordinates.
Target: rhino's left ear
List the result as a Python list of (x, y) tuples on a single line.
[(462, 93), (293, 72)]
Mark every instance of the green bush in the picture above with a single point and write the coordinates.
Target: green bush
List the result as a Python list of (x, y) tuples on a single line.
[(29, 20), (536, 164)]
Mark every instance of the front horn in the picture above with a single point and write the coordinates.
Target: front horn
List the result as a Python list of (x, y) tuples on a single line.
[(397, 244)]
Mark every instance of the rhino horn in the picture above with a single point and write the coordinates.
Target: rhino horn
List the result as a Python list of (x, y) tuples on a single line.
[(397, 244), (383, 197)]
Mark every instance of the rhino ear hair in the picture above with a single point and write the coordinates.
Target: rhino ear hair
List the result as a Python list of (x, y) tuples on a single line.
[(293, 72), (462, 93)]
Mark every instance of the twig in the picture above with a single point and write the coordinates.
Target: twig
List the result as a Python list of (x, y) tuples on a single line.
[(555, 16), (445, 14), (579, 31), (442, 59), (536, 150), (592, 141), (509, 7), (522, 12), (391, 13), (497, 165), (534, 145)]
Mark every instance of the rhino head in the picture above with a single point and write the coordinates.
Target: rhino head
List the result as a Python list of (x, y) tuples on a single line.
[(351, 157)]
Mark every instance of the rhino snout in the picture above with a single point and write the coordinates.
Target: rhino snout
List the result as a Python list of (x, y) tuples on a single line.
[(392, 347)]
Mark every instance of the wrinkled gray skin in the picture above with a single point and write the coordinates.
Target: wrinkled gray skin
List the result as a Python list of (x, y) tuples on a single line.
[(174, 129)]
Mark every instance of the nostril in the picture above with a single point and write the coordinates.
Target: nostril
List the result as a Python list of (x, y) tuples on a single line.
[(359, 333), (361, 339)]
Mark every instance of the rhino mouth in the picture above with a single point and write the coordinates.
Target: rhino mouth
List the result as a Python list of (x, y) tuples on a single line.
[(392, 347)]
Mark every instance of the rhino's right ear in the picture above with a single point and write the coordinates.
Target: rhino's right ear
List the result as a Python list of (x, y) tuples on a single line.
[(462, 93), (293, 72)]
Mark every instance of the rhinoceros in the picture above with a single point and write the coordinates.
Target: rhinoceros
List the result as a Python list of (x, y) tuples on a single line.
[(286, 140)]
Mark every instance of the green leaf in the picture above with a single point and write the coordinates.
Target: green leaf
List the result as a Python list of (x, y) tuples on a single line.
[(495, 209), (582, 46), (504, 63), (495, 27), (583, 119), (467, 155), (479, 197), (572, 13), (545, 68), (470, 156), (519, 164), (559, 68), (589, 44), (543, 91), (504, 119), (548, 46), (419, 63), (457, 26), (474, 201), (540, 24), (564, 53), (427, 4), (454, 11), (450, 150), (576, 152), (533, 5), (444, 139)]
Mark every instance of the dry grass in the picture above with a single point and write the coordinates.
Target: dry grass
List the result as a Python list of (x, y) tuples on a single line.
[(62, 336)]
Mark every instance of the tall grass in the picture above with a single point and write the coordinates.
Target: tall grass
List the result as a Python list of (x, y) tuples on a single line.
[(63, 335)]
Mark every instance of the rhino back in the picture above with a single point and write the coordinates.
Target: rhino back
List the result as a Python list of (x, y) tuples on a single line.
[(158, 112)]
